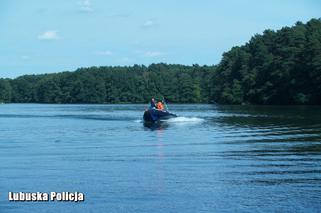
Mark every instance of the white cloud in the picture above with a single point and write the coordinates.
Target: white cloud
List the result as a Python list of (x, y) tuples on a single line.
[(85, 6), (148, 24), (152, 54), (48, 35), (104, 53)]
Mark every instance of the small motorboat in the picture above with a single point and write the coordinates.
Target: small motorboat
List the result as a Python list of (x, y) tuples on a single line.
[(154, 115)]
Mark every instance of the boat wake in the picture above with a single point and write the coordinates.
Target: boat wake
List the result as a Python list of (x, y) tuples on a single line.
[(185, 120)]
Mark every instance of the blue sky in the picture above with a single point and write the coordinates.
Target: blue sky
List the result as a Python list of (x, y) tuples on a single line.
[(42, 36)]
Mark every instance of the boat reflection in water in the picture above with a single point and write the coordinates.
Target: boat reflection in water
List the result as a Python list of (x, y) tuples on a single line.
[(159, 125)]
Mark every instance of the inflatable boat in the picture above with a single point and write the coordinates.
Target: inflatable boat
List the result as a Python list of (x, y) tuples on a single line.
[(155, 115)]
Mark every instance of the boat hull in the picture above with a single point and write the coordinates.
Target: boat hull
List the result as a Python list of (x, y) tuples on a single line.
[(154, 115)]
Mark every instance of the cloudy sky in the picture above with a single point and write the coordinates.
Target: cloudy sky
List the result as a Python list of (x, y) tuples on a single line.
[(41, 36)]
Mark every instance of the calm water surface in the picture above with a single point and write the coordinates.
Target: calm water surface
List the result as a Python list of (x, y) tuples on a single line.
[(209, 159)]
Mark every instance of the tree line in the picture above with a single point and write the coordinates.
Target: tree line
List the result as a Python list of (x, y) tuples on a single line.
[(276, 67), (132, 84)]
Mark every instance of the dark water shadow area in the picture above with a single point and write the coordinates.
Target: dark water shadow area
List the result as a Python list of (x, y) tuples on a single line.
[(161, 125)]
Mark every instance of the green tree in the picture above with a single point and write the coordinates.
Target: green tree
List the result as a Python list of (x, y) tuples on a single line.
[(5, 91)]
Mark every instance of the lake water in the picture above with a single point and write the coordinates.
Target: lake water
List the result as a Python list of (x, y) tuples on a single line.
[(209, 159)]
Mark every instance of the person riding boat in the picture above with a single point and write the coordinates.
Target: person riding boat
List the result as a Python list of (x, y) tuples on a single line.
[(160, 106), (152, 104), (157, 112)]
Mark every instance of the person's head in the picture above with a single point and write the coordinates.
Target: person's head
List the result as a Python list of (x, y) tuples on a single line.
[(153, 100)]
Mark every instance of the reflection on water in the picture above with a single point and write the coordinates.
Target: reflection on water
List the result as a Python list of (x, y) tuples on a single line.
[(209, 159), (156, 126)]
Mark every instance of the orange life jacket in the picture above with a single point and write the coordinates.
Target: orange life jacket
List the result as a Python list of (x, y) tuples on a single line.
[(160, 106)]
